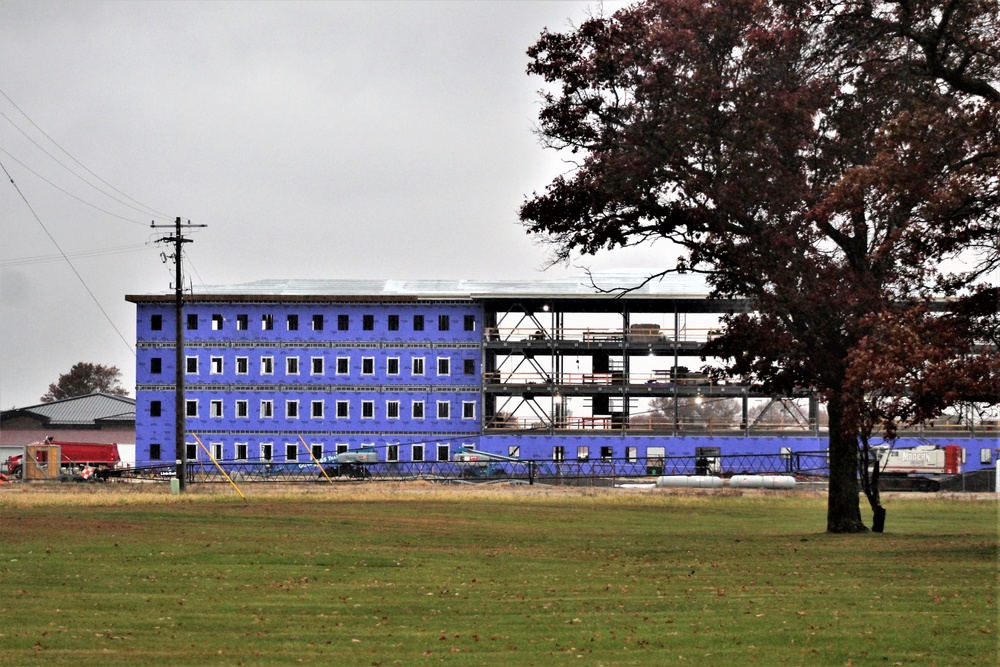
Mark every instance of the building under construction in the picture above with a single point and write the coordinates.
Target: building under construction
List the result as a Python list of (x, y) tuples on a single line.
[(564, 369)]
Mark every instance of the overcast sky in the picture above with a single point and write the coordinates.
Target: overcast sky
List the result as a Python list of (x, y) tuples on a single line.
[(326, 140)]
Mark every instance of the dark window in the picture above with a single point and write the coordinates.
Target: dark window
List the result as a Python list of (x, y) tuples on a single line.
[(217, 322), (418, 322), (393, 323), (606, 453), (343, 365), (293, 322), (469, 366), (156, 365), (192, 322), (418, 409), (267, 322), (317, 322), (470, 322), (368, 322), (418, 453), (242, 322), (368, 365), (392, 366), (444, 322), (156, 322), (154, 451), (192, 451), (443, 452), (191, 365), (343, 322), (192, 409), (154, 408)]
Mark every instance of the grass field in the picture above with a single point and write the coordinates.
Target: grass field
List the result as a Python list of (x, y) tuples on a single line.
[(381, 575)]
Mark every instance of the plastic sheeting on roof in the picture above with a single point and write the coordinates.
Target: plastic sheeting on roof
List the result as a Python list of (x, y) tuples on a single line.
[(674, 285)]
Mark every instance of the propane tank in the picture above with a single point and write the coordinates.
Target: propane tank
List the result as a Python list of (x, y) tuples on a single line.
[(689, 481), (762, 482)]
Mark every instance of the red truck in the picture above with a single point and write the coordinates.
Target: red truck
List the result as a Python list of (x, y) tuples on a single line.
[(80, 460)]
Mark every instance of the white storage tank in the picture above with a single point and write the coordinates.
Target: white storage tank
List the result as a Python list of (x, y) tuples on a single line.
[(762, 482), (689, 481)]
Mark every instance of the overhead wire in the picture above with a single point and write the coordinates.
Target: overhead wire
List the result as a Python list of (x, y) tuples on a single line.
[(66, 192), (187, 260), (83, 166), (73, 173), (82, 254), (83, 282)]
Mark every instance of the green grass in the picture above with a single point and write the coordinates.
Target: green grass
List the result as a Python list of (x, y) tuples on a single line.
[(492, 577)]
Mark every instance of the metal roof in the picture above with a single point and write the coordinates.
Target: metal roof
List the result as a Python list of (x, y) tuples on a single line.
[(81, 410), (688, 285)]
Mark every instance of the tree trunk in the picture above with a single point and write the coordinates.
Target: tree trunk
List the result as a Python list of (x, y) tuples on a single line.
[(843, 510)]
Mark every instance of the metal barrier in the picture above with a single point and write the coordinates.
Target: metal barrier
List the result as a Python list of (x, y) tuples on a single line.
[(588, 472)]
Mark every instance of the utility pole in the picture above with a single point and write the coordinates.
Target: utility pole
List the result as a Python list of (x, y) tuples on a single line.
[(180, 413)]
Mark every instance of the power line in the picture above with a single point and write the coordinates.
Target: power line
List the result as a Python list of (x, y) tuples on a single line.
[(56, 144), (187, 258), (77, 273), (67, 192), (63, 165), (82, 254)]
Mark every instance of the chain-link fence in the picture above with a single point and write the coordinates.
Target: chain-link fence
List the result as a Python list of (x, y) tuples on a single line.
[(600, 472)]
